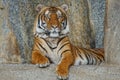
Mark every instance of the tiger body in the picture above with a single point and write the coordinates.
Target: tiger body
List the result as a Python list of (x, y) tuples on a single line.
[(51, 43), (54, 48)]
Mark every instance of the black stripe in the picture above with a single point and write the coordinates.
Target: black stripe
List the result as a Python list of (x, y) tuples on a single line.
[(60, 40), (37, 45), (79, 53), (39, 20), (97, 53), (96, 59), (62, 47), (39, 26), (95, 56), (92, 61), (99, 59), (49, 45), (39, 23), (87, 58), (42, 47), (64, 52), (65, 24), (57, 43), (80, 56)]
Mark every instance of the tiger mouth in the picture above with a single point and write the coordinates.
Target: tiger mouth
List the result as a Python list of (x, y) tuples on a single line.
[(54, 34)]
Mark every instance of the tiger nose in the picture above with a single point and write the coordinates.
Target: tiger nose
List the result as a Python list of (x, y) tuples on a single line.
[(54, 26)]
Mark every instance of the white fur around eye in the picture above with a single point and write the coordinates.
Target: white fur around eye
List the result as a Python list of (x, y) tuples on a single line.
[(46, 13), (44, 24), (66, 30), (39, 30)]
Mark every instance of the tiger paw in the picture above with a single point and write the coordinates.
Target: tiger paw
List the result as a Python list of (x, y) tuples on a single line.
[(39, 59), (62, 73), (43, 63)]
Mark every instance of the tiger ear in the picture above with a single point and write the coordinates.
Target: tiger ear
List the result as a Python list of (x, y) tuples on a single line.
[(39, 7), (64, 7)]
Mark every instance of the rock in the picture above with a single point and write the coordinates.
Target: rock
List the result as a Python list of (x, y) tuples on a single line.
[(97, 17), (83, 72), (8, 44), (112, 31)]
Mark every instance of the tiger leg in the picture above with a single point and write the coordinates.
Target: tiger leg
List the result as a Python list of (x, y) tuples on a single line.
[(62, 68), (39, 59)]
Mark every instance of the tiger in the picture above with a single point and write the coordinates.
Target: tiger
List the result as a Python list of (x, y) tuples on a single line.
[(52, 43)]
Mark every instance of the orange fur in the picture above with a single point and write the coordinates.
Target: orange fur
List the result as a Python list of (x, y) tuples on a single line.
[(58, 49)]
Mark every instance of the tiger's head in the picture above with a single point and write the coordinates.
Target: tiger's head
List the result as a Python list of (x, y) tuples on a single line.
[(51, 21)]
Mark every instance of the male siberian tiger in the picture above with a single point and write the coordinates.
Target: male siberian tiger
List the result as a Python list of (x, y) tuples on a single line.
[(51, 42)]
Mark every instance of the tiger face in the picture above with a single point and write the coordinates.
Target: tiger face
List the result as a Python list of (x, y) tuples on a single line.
[(51, 22)]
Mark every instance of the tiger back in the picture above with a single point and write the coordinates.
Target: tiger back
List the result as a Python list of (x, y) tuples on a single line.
[(52, 45)]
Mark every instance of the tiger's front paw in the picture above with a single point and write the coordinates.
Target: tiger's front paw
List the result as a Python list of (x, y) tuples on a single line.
[(42, 63), (39, 59), (62, 73)]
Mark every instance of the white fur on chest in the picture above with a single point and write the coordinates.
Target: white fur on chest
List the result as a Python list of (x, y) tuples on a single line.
[(53, 50), (54, 56)]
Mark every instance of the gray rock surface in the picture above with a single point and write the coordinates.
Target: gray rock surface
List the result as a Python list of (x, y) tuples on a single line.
[(83, 72), (97, 16), (112, 32)]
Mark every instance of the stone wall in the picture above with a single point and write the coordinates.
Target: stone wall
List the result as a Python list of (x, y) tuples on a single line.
[(112, 32), (8, 44), (97, 16), (16, 24)]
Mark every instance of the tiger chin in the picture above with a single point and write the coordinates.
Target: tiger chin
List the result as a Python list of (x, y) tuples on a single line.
[(52, 45)]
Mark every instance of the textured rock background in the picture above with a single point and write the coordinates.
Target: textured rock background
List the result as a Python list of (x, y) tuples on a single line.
[(17, 17), (112, 32), (31, 72), (97, 17)]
